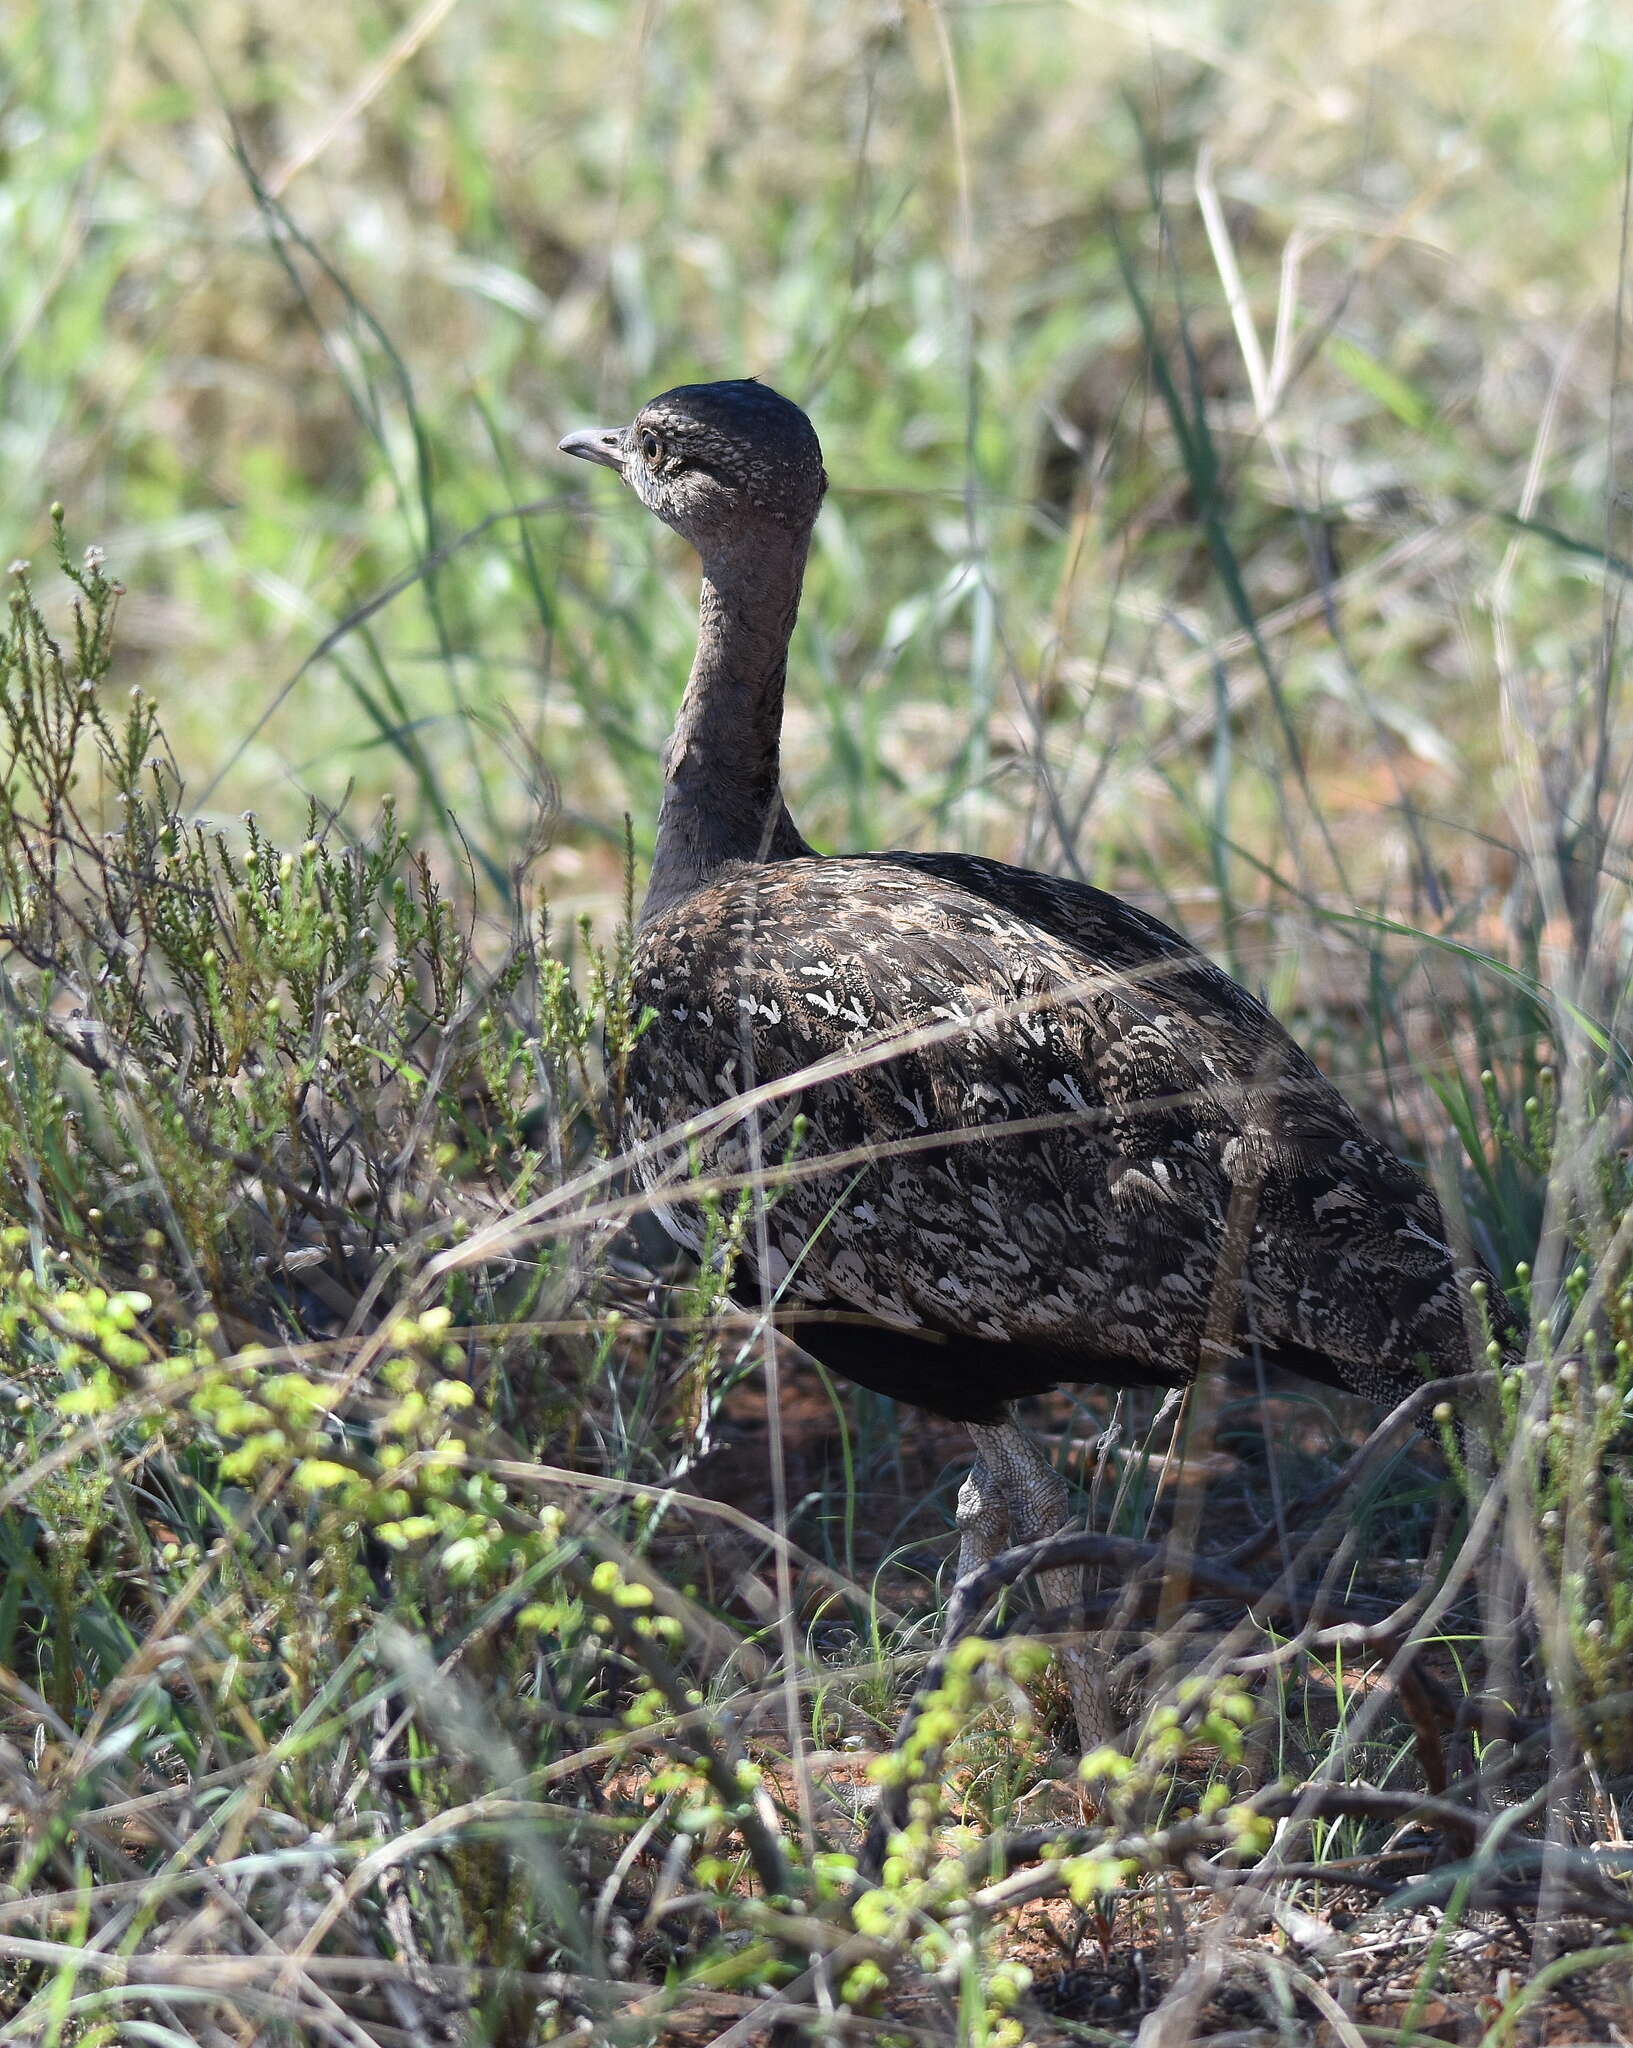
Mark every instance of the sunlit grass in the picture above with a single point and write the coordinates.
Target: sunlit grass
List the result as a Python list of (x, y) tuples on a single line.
[(1223, 416), (278, 358)]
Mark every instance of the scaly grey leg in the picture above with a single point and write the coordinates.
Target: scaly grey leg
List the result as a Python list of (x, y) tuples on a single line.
[(1037, 1503), (983, 1519)]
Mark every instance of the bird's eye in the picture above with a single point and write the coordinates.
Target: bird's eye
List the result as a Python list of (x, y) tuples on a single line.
[(651, 446)]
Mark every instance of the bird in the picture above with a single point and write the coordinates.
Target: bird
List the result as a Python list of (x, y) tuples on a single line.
[(1014, 1132)]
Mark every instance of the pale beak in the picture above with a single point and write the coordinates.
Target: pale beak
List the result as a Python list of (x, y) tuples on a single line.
[(597, 444)]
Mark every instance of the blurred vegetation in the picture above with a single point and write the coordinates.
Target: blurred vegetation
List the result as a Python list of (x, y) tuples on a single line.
[(1226, 414), (299, 298)]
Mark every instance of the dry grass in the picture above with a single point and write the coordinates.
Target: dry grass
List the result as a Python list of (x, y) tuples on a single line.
[(1226, 415)]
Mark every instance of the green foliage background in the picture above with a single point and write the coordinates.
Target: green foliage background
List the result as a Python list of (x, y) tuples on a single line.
[(1227, 415), (297, 297)]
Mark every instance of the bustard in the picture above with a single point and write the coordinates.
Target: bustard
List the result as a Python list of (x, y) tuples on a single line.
[(1045, 1140)]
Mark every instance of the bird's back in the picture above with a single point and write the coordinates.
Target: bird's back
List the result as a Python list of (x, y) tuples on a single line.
[(1044, 1137)]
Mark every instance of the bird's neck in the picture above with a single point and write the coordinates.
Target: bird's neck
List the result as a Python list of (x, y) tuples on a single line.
[(722, 796)]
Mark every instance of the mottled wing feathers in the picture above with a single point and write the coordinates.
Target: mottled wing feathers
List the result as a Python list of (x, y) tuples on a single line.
[(1046, 1122)]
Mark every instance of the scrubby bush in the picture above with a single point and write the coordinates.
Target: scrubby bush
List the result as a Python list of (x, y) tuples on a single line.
[(344, 1592)]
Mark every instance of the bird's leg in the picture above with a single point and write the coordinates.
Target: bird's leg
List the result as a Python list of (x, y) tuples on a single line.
[(1038, 1504), (983, 1519)]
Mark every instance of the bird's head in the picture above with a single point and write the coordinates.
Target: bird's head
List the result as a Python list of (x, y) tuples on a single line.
[(720, 463)]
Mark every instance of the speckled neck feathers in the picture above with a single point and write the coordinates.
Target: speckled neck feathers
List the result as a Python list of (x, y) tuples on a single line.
[(722, 797)]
